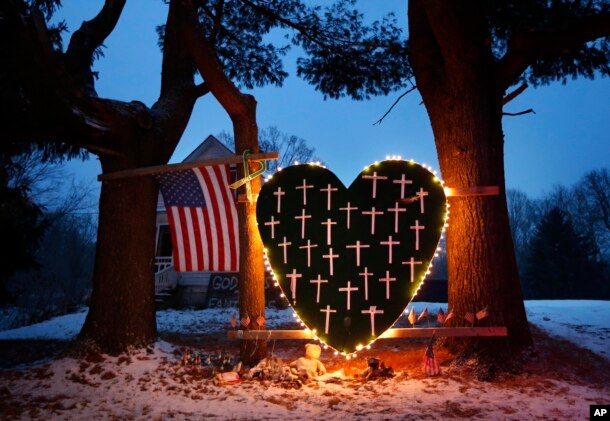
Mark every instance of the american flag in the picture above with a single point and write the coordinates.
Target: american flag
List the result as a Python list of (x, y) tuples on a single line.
[(431, 366), (481, 314), (423, 315), (203, 219)]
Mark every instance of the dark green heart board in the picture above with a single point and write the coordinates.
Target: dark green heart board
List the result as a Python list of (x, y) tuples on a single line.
[(350, 260)]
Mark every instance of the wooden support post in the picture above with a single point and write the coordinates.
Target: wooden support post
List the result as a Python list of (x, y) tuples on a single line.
[(472, 191), (159, 169), (389, 334)]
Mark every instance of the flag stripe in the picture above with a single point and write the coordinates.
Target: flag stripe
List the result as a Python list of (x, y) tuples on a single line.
[(203, 219)]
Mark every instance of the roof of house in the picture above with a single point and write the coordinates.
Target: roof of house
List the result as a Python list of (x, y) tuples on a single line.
[(211, 147)]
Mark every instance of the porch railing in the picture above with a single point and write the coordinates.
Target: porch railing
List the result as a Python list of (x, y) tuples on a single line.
[(165, 276)]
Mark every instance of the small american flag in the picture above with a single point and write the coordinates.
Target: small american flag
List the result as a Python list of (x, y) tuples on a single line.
[(203, 219), (449, 316), (234, 320), (423, 315), (440, 316), (412, 318), (431, 366), (481, 314), (469, 316)]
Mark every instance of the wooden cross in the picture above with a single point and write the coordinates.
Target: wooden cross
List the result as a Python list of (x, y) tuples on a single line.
[(387, 281), (373, 213), (329, 189), (421, 194), (303, 219), (330, 256), (304, 187), (279, 193), (272, 223), (329, 224), (348, 289), (285, 245), (294, 276), (373, 312), (309, 246), (390, 243), (402, 183), (327, 310), (412, 262), (357, 246), (374, 177), (417, 228), (318, 282), (397, 210), (366, 275), (349, 208)]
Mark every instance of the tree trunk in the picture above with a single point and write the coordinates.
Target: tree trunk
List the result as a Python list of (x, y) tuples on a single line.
[(251, 265), (122, 308), (242, 111), (454, 69)]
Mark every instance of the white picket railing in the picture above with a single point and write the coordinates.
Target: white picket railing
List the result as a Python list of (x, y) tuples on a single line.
[(165, 276), (163, 262)]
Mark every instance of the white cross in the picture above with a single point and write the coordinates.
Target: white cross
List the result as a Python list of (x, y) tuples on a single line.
[(402, 183), (328, 191), (372, 311), (327, 310), (374, 177), (303, 219), (285, 245), (304, 187), (318, 282), (330, 256), (387, 281), (349, 208), (373, 213), (366, 275), (329, 224), (412, 262), (272, 223), (293, 282), (349, 288), (390, 243), (421, 194), (358, 246), (309, 246), (397, 210), (417, 228), (279, 193)]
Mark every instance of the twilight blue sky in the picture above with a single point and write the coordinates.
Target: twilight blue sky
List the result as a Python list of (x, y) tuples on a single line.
[(568, 136)]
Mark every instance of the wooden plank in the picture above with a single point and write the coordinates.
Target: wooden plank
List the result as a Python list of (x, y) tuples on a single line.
[(408, 332), (427, 332), (472, 191), (159, 169), (270, 334)]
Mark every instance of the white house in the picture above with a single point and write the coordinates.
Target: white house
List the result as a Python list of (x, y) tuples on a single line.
[(188, 288)]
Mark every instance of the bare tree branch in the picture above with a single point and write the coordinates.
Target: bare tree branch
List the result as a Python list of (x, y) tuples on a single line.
[(508, 98), (89, 37), (208, 64), (414, 87), (529, 110)]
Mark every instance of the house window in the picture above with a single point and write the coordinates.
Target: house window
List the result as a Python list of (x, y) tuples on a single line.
[(164, 241)]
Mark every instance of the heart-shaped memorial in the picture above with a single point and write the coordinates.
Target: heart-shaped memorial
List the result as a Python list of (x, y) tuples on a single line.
[(350, 260)]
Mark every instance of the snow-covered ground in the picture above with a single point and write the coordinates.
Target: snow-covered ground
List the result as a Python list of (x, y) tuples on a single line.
[(584, 322), (150, 385)]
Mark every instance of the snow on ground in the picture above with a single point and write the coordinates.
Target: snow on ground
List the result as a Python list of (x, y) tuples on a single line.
[(584, 322), (150, 385)]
